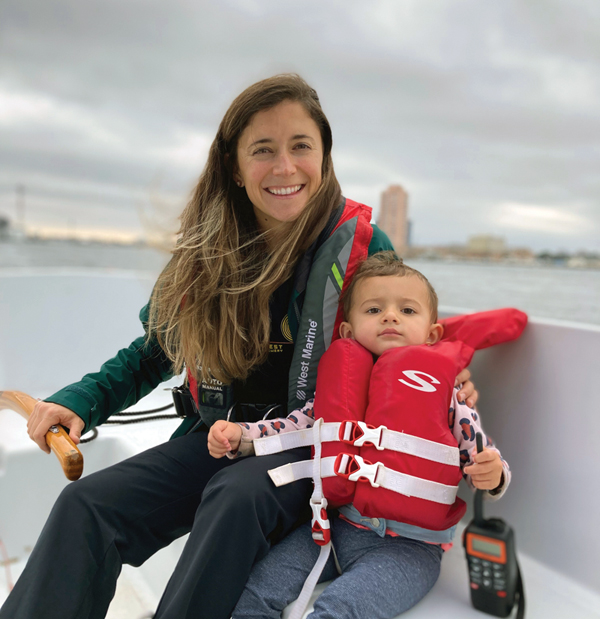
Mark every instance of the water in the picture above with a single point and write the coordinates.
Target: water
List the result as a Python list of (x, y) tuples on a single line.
[(35, 254), (542, 292)]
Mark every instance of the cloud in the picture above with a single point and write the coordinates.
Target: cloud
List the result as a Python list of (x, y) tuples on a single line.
[(469, 104), (38, 112), (541, 219), (189, 149), (17, 108)]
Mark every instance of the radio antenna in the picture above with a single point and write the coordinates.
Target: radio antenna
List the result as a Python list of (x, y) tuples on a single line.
[(478, 503)]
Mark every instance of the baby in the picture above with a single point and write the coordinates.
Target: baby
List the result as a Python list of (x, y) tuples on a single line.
[(387, 566)]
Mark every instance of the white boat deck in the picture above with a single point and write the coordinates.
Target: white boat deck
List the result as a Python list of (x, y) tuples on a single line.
[(538, 400)]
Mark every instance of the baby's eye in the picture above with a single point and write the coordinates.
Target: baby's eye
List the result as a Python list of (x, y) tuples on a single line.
[(373, 310), (408, 310)]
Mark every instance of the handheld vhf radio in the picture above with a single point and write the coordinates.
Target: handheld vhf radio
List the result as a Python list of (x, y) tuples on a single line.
[(494, 573)]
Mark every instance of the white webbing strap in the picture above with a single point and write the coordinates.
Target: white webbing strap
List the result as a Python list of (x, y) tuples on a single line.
[(420, 447), (320, 527), (310, 583), (293, 471), (298, 438), (317, 495), (416, 487), (280, 442), (318, 503), (381, 437), (378, 474)]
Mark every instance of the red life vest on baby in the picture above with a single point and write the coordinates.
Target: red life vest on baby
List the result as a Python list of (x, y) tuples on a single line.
[(382, 435), (408, 395), (386, 442)]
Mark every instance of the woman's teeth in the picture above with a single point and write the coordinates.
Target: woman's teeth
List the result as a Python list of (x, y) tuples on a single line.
[(284, 191)]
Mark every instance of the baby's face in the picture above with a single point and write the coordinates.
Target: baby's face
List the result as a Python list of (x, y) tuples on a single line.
[(390, 311)]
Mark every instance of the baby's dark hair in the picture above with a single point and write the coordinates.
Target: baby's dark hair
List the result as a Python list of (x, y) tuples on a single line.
[(384, 264)]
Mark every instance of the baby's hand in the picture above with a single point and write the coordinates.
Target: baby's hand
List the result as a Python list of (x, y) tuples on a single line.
[(224, 436), (486, 473)]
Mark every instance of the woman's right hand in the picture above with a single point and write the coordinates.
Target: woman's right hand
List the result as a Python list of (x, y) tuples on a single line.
[(46, 414)]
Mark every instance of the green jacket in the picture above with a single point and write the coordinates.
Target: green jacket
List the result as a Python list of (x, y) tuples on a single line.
[(137, 370)]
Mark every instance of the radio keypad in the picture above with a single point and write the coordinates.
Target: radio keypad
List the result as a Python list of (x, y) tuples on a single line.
[(487, 574)]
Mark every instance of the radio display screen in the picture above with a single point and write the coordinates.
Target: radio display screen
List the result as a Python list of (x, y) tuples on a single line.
[(490, 548)]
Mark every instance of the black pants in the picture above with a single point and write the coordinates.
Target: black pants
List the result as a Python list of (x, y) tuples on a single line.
[(127, 512)]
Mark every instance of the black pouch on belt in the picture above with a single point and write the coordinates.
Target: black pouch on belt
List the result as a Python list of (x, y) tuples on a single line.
[(183, 401)]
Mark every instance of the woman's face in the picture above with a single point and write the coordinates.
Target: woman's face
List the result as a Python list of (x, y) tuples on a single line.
[(280, 154)]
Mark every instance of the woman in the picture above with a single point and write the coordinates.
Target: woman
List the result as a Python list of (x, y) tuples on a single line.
[(251, 274)]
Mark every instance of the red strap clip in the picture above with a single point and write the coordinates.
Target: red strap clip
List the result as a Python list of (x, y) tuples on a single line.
[(321, 532)]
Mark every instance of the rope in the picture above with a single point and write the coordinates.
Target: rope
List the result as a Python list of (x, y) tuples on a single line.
[(137, 419), (152, 410), (87, 440), (123, 422)]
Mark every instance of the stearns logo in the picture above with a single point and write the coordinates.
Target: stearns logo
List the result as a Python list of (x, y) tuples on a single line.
[(285, 329), (419, 383)]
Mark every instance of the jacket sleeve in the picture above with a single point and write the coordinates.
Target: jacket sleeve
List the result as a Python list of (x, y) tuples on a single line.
[(130, 375), (466, 424)]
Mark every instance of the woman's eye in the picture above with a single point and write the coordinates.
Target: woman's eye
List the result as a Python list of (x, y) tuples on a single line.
[(260, 151), (302, 145)]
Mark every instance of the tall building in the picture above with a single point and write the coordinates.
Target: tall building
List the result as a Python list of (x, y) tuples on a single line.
[(393, 216)]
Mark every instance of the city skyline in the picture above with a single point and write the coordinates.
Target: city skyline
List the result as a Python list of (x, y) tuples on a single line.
[(396, 225)]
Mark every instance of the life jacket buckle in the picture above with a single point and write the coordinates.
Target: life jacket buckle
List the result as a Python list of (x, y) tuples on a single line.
[(358, 433), (321, 533), (356, 468), (371, 435)]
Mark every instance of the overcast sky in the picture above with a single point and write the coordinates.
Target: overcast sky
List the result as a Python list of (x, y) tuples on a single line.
[(488, 113)]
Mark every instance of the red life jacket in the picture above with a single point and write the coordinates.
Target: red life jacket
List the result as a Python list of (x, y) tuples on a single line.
[(409, 390), (387, 424)]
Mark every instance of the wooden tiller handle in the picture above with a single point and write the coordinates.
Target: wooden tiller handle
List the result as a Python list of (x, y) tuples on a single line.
[(58, 440)]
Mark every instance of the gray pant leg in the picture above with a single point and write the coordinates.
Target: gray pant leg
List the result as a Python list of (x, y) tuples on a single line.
[(382, 577), (277, 580)]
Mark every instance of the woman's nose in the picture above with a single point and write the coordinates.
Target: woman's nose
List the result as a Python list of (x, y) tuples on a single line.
[(284, 165)]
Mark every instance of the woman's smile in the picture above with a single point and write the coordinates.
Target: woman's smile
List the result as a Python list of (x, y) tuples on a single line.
[(285, 191)]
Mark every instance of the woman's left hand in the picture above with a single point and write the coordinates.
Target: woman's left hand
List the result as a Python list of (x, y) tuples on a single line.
[(467, 393)]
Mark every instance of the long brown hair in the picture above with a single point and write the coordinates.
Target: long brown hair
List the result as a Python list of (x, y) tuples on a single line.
[(210, 307)]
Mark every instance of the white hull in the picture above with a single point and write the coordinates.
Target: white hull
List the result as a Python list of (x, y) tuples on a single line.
[(538, 402)]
